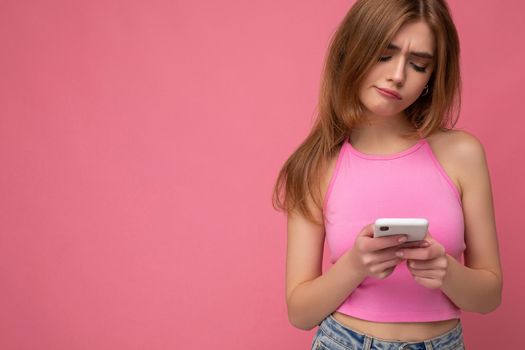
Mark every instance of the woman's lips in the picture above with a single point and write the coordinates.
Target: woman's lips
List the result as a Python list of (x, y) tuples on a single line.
[(388, 94)]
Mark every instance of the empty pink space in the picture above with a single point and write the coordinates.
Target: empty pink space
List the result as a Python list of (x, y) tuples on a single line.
[(139, 144)]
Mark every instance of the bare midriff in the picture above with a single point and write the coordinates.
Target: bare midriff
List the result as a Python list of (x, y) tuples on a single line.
[(406, 331)]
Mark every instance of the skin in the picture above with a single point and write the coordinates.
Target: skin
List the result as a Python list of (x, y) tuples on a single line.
[(385, 116)]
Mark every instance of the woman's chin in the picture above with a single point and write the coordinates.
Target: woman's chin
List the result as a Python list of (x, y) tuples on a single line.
[(384, 113)]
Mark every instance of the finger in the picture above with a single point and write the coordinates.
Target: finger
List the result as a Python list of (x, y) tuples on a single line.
[(408, 245), (418, 265), (433, 264), (415, 264), (367, 231), (385, 265), (384, 255), (413, 253), (430, 283), (379, 243), (433, 274), (415, 244)]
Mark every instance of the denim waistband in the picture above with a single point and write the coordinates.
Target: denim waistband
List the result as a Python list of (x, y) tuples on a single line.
[(356, 340)]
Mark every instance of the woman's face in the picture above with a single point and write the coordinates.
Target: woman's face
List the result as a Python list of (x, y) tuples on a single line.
[(402, 68)]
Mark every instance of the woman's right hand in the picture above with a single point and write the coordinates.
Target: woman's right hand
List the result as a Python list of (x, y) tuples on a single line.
[(376, 256)]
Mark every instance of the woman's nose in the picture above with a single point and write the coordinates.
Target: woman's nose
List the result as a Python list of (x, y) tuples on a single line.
[(397, 75)]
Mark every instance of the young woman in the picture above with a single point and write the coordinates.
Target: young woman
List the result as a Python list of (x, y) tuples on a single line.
[(381, 148)]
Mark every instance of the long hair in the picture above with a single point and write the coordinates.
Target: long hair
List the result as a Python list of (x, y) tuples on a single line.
[(355, 47)]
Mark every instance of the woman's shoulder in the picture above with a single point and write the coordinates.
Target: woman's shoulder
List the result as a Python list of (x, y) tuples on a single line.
[(455, 143), (455, 149)]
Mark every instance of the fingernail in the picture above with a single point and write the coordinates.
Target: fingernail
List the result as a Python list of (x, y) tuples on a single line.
[(400, 253), (402, 239)]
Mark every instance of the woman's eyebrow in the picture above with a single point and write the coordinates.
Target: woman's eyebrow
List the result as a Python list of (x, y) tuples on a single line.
[(412, 53)]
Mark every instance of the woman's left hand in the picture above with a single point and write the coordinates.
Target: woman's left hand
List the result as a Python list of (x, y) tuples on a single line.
[(428, 265)]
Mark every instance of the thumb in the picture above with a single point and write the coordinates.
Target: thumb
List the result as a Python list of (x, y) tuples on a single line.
[(367, 230), (429, 237)]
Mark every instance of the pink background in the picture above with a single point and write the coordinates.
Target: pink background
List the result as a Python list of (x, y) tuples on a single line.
[(139, 143)]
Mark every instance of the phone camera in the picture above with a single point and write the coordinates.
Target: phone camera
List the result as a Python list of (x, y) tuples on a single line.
[(383, 228)]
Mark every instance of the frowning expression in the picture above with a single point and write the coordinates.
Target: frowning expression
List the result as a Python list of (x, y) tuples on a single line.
[(403, 70)]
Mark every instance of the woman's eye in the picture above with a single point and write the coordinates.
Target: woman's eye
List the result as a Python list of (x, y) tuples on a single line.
[(416, 67)]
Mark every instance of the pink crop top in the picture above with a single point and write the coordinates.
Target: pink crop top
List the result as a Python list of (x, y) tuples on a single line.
[(410, 183)]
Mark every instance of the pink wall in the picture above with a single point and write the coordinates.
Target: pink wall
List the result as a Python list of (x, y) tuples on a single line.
[(139, 143)]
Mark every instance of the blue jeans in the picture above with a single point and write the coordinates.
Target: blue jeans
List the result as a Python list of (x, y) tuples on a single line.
[(332, 335)]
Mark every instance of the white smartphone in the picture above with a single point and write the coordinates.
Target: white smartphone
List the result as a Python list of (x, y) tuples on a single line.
[(414, 228)]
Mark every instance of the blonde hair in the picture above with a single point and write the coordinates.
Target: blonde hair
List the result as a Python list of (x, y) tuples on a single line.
[(355, 47)]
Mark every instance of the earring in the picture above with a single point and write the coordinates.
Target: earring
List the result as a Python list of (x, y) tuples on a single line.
[(425, 91)]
